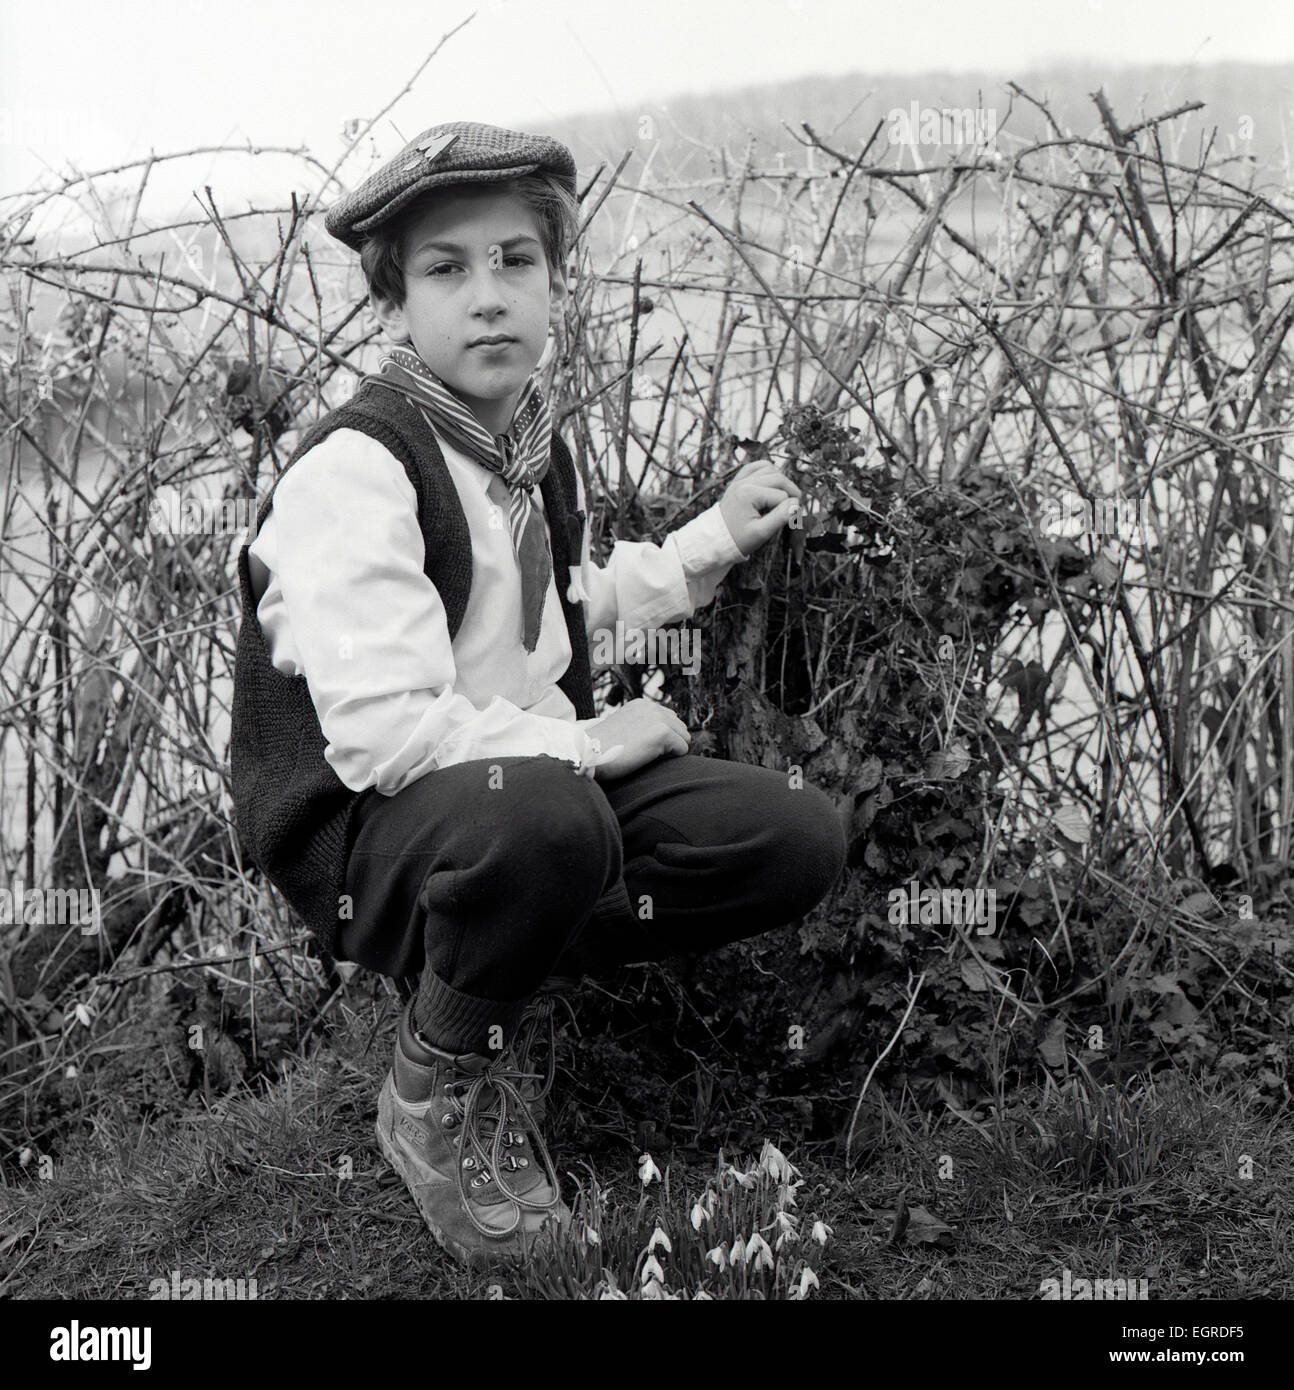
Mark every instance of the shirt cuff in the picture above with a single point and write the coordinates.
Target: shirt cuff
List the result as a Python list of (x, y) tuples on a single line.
[(705, 544), (570, 742)]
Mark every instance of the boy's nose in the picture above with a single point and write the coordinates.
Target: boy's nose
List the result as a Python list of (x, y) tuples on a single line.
[(487, 294)]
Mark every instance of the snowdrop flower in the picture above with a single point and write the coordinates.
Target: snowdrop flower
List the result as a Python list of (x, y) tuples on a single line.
[(700, 1294), (614, 1294), (757, 1249), (775, 1164), (820, 1232), (718, 1257), (652, 1270), (786, 1194), (747, 1180), (785, 1227), (699, 1214), (591, 1237), (808, 1280), (737, 1255), (647, 1170), (658, 1237)]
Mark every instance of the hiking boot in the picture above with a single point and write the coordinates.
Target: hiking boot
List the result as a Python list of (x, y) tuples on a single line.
[(459, 1131)]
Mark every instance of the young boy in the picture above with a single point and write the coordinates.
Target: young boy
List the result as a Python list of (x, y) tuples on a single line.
[(417, 762)]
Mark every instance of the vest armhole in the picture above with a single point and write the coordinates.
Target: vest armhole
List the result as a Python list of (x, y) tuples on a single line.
[(252, 622)]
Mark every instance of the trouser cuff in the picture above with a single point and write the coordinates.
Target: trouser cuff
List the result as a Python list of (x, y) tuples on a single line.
[(614, 906)]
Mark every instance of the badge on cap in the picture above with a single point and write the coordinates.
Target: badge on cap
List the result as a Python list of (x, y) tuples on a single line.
[(432, 148)]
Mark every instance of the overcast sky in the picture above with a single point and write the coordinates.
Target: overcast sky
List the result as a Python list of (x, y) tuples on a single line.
[(102, 82)]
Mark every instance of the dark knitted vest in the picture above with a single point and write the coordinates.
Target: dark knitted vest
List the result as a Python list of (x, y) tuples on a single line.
[(292, 812)]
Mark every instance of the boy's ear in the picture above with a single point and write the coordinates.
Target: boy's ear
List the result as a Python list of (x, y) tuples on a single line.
[(556, 296), (392, 318)]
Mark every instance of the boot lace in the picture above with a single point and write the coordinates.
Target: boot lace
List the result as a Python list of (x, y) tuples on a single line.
[(493, 1094)]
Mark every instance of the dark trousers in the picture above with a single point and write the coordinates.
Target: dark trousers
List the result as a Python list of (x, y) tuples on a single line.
[(488, 876)]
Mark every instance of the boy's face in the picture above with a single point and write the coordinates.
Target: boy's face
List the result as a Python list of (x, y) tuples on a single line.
[(474, 268)]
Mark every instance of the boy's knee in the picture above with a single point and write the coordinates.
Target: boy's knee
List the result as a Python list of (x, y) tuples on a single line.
[(559, 822), (811, 846)]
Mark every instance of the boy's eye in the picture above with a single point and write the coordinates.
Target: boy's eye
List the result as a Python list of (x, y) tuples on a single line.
[(446, 266)]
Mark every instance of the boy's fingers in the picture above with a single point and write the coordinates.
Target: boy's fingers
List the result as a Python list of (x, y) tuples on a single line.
[(769, 475), (782, 483), (764, 498), (772, 522)]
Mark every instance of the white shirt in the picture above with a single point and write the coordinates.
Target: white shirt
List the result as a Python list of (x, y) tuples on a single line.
[(345, 602)]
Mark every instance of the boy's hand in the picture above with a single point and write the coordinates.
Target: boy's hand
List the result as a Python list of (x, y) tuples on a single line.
[(644, 730), (758, 502)]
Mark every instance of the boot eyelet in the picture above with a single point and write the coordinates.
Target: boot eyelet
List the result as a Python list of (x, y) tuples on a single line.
[(523, 1163), (469, 1162), (449, 1121)]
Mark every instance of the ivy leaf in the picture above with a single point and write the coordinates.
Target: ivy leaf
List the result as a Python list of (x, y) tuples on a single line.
[(1179, 1010), (1071, 823), (1032, 913), (928, 1229), (869, 775), (1105, 572), (973, 976), (1030, 685), (947, 763)]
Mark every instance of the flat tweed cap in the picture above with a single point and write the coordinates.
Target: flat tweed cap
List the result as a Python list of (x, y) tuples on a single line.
[(461, 152)]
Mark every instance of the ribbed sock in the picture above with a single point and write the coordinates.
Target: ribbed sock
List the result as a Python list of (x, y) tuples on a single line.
[(458, 1022)]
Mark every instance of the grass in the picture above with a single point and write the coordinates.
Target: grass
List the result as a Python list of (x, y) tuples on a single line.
[(283, 1184)]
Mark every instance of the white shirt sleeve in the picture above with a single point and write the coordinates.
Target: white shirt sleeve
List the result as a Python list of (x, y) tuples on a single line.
[(371, 630), (645, 585)]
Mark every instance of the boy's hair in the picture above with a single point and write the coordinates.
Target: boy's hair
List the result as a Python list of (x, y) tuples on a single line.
[(555, 209)]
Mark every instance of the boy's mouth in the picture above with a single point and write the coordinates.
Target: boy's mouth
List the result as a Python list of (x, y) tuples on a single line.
[(494, 340)]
